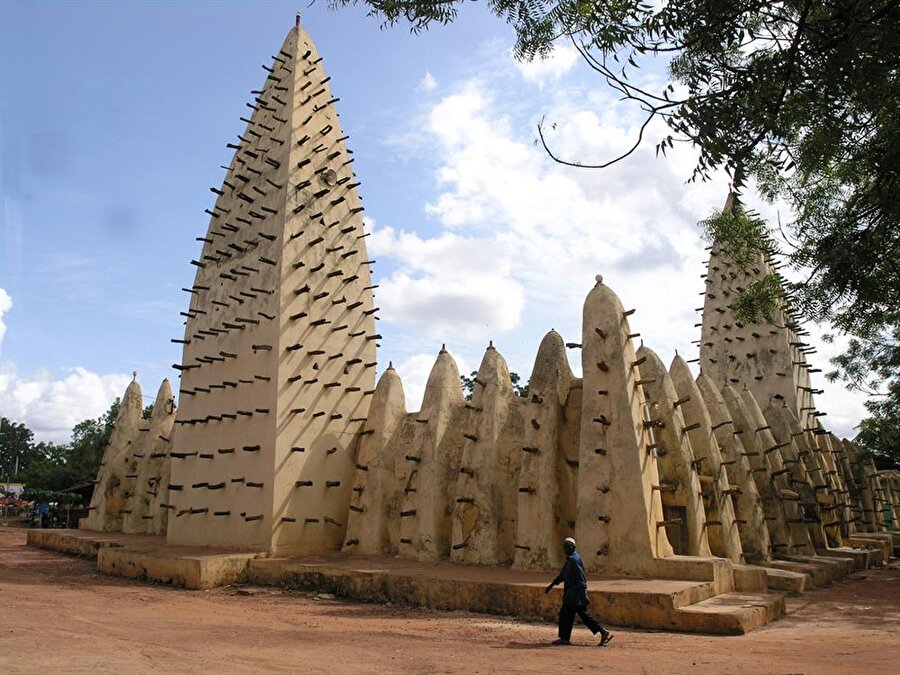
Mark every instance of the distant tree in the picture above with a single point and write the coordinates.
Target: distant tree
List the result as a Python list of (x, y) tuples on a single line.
[(468, 384), (54, 467), (871, 367), (16, 448), (520, 389)]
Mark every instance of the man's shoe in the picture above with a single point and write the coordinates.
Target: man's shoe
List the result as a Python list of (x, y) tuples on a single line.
[(560, 641), (606, 638)]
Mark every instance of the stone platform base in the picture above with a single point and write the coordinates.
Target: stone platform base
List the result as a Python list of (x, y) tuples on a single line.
[(149, 557), (863, 558), (882, 542), (771, 578), (691, 606)]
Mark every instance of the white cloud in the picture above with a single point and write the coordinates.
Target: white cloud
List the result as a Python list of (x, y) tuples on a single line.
[(6, 304), (51, 406), (448, 285), (535, 231), (542, 70), (428, 83), (519, 238)]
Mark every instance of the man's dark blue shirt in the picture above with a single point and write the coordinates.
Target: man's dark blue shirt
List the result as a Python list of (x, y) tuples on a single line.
[(574, 581)]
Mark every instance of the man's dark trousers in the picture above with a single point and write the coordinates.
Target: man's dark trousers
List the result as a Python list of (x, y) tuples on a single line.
[(567, 619)]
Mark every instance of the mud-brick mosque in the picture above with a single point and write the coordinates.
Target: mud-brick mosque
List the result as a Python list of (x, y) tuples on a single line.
[(697, 502)]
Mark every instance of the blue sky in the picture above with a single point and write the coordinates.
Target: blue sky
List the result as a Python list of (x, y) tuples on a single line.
[(113, 125)]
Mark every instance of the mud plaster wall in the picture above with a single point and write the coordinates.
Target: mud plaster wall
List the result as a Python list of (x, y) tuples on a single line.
[(745, 429), (276, 446), (109, 498), (679, 485), (619, 517), (786, 430), (430, 465), (768, 359), (549, 473), (863, 470), (841, 506), (487, 484), (755, 539), (446, 482), (152, 455), (502, 479), (722, 531), (279, 345)]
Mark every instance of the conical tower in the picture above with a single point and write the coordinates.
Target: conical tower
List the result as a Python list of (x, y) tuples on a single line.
[(112, 484), (279, 342), (769, 359), (151, 457)]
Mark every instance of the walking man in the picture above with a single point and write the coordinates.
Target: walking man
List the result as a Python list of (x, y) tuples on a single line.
[(575, 598)]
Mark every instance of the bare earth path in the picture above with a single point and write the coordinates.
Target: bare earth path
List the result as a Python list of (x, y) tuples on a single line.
[(58, 615)]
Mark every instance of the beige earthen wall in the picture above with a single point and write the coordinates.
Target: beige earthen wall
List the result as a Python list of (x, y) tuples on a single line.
[(756, 542), (430, 466), (619, 523), (679, 487), (769, 359), (154, 453), (546, 514), (279, 346), (722, 530), (488, 484), (773, 507), (800, 542), (786, 430), (372, 522), (109, 498)]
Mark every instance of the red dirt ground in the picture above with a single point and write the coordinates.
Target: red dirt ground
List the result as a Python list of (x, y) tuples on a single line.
[(58, 615)]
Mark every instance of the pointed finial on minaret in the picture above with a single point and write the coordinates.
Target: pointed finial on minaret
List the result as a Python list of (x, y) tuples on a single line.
[(443, 348), (729, 201), (297, 21), (390, 365), (134, 376), (490, 344)]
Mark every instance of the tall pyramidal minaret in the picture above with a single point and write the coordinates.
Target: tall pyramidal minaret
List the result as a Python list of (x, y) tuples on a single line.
[(279, 342), (767, 359)]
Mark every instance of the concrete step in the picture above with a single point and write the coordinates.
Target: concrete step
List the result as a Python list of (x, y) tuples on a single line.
[(644, 603), (148, 557), (863, 558), (664, 604), (819, 575), (769, 578), (785, 580), (86, 543), (882, 542), (749, 578), (839, 567), (732, 613), (185, 566)]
